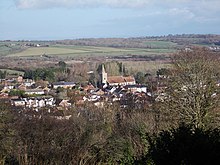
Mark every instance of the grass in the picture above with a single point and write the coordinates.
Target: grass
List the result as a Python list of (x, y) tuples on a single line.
[(71, 51), (145, 66), (6, 48), (44, 51), (160, 44), (12, 72)]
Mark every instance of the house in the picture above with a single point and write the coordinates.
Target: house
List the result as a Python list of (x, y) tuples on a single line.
[(120, 91), (11, 78), (18, 102), (22, 87), (88, 88), (92, 97), (116, 80), (19, 79), (136, 88), (34, 102), (14, 78), (63, 84), (98, 92), (3, 95), (28, 82), (34, 91), (65, 104), (8, 87)]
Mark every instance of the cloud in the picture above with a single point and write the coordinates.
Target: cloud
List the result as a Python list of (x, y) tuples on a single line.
[(184, 13), (190, 9), (28, 4), (185, 10)]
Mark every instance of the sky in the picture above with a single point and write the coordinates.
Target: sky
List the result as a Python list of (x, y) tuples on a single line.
[(72, 19)]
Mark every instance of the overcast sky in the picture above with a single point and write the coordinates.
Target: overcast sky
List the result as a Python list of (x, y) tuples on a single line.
[(69, 19)]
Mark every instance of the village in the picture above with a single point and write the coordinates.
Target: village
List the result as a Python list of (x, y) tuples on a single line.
[(31, 95), (110, 82)]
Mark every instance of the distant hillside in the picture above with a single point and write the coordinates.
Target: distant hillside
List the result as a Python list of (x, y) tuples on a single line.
[(169, 42), (12, 47)]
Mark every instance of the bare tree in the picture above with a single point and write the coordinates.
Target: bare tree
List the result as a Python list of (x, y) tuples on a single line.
[(192, 94)]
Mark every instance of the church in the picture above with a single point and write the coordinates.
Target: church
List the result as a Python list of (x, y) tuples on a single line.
[(116, 80)]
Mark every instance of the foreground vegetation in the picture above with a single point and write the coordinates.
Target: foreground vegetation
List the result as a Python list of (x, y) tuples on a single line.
[(103, 137)]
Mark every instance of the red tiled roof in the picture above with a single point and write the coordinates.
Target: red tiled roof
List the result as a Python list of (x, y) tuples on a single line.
[(120, 79), (115, 79), (129, 79), (88, 87)]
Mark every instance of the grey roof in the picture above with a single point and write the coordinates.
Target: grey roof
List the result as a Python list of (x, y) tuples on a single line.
[(135, 86), (64, 83)]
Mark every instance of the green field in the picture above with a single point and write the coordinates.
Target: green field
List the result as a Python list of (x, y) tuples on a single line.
[(160, 44), (145, 66), (104, 47), (12, 72), (6, 48), (74, 51)]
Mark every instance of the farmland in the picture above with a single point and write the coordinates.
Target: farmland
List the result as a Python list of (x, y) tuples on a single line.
[(12, 72), (145, 54), (86, 51), (145, 66), (104, 47)]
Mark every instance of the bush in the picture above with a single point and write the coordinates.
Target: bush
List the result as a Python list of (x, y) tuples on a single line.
[(185, 145)]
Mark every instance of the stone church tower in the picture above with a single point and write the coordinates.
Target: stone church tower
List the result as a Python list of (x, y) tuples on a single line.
[(103, 76)]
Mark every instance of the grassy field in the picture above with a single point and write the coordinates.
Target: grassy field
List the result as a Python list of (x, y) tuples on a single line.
[(12, 72), (160, 44), (6, 48), (74, 51), (145, 66)]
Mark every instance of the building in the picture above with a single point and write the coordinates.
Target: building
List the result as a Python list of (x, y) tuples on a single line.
[(34, 102), (18, 102), (28, 82), (104, 75), (34, 92), (64, 104), (63, 84), (116, 80), (136, 88), (121, 80), (19, 79)]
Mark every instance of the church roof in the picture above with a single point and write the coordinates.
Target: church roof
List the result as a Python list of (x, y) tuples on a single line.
[(129, 79), (120, 79)]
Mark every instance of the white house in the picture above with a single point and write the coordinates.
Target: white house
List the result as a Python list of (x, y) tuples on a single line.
[(17, 102), (34, 91), (136, 88), (63, 84), (34, 102), (28, 82)]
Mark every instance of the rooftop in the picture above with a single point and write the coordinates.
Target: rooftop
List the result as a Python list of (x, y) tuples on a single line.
[(120, 79), (64, 83)]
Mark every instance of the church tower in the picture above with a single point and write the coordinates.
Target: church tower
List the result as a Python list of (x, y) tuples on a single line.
[(103, 75)]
